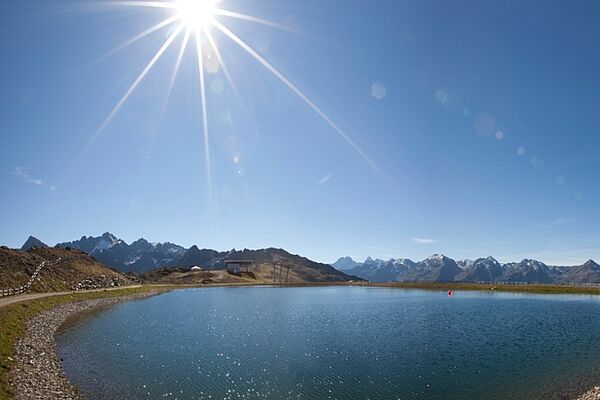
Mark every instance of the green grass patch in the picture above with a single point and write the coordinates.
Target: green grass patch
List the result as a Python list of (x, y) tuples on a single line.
[(14, 316), (548, 289)]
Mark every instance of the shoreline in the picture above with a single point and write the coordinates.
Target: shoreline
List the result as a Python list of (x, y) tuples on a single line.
[(36, 371), (592, 394), (29, 367)]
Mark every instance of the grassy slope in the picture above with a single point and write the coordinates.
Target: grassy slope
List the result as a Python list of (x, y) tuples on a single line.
[(13, 318), (16, 267)]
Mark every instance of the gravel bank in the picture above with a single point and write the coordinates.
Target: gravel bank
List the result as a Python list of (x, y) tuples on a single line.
[(38, 373), (593, 394)]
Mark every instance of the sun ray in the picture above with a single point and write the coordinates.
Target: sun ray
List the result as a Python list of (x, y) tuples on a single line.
[(143, 4), (140, 36), (174, 75), (182, 49), (300, 94), (207, 161), (245, 17), (213, 45), (133, 86)]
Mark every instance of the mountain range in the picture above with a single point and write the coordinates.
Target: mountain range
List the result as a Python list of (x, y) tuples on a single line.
[(138, 256), (439, 268), (142, 256)]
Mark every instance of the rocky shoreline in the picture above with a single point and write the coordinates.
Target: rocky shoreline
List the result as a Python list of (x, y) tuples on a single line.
[(37, 373), (593, 394)]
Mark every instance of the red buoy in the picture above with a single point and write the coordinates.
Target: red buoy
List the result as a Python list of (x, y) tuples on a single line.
[(449, 292)]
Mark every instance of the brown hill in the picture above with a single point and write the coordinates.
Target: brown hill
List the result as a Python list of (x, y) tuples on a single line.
[(185, 276), (301, 269), (75, 271)]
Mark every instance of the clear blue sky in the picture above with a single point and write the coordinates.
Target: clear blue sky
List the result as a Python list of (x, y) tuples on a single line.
[(482, 115)]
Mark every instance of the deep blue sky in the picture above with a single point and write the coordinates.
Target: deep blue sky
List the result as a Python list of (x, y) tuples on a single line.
[(488, 133)]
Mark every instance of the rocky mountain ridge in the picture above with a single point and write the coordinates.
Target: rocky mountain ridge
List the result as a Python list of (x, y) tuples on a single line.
[(139, 256), (439, 268)]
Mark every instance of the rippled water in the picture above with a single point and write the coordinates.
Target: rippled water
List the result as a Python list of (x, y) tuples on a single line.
[(335, 343)]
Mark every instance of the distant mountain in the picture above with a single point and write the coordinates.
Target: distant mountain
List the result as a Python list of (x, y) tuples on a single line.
[(382, 271), (32, 242), (207, 258), (439, 268), (91, 244), (586, 273), (345, 264), (139, 256), (480, 270), (527, 271)]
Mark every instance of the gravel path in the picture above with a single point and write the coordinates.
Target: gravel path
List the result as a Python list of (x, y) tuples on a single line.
[(38, 373), (6, 301)]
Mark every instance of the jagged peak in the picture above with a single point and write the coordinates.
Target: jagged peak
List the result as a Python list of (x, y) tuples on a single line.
[(32, 242), (488, 258), (109, 236)]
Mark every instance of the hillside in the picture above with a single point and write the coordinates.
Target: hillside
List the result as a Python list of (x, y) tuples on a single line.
[(301, 269), (77, 270), (184, 276)]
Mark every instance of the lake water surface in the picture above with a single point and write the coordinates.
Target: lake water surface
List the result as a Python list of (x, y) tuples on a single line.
[(336, 343)]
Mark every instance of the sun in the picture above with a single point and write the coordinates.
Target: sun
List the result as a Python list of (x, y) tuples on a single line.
[(196, 15)]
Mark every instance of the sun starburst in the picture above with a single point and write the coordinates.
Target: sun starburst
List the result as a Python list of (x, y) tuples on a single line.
[(197, 15), (196, 19)]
